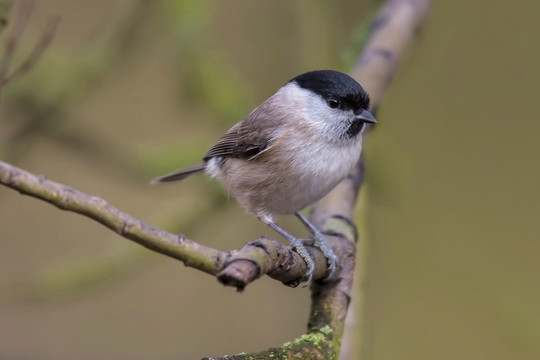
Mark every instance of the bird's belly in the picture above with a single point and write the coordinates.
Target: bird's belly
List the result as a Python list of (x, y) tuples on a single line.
[(266, 186), (315, 177), (312, 178), (301, 196)]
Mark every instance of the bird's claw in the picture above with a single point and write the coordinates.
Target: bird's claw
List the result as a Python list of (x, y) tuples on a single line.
[(298, 246), (332, 260)]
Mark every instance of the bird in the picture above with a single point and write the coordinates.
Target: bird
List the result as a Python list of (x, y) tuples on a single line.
[(291, 151)]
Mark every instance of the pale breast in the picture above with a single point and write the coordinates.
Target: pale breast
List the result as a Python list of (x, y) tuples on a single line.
[(289, 181), (317, 175)]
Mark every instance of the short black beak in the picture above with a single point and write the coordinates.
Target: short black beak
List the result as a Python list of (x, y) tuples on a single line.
[(365, 116)]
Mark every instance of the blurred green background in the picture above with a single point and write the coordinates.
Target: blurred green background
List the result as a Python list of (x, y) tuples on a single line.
[(133, 89)]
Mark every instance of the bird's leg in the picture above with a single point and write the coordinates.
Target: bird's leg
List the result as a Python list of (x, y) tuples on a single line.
[(297, 245), (318, 240)]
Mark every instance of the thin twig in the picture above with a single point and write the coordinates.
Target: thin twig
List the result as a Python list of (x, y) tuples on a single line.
[(35, 55), (23, 15), (5, 7), (21, 20)]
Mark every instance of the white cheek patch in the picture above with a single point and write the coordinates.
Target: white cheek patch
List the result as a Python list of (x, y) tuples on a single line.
[(330, 123)]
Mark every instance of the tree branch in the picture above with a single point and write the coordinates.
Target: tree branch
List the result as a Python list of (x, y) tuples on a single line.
[(391, 34), (235, 268)]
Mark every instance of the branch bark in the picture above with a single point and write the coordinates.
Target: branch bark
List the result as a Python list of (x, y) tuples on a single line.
[(235, 268)]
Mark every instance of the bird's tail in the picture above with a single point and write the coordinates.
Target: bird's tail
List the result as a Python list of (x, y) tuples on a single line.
[(180, 174)]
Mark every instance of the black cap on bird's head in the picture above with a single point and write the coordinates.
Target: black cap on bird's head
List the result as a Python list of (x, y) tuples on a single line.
[(338, 89)]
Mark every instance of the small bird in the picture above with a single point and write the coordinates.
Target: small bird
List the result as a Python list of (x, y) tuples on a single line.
[(290, 152)]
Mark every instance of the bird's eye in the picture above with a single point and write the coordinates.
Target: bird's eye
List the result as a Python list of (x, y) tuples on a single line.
[(333, 103)]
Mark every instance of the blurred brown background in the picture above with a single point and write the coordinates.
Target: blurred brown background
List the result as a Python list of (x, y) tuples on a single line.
[(132, 89)]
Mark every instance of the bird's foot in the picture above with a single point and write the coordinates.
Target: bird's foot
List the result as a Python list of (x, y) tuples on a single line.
[(319, 241), (298, 246)]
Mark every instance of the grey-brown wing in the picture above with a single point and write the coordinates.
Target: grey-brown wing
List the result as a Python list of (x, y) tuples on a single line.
[(247, 138)]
